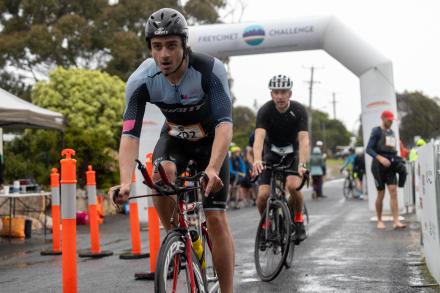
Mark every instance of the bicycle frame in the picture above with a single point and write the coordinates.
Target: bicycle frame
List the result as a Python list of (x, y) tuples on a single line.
[(184, 207)]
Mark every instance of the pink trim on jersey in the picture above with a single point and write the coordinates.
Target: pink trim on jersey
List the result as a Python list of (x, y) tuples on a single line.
[(128, 125)]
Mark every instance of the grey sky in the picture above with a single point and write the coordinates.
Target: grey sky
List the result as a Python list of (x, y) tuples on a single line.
[(407, 32)]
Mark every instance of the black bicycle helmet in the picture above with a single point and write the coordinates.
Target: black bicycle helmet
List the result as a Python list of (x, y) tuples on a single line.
[(166, 22)]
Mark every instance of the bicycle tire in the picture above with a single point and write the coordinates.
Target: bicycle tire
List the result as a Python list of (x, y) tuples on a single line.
[(346, 189), (279, 222), (174, 246)]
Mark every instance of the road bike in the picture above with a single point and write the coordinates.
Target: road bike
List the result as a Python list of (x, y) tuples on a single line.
[(276, 233), (184, 262)]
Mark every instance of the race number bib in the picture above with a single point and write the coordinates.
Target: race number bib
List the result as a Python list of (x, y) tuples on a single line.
[(390, 141), (282, 150), (191, 132)]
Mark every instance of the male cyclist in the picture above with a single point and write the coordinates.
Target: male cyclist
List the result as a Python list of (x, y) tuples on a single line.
[(191, 90), (281, 130)]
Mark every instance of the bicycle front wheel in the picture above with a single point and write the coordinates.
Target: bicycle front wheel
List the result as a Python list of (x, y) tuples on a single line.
[(347, 188), (172, 273), (272, 241)]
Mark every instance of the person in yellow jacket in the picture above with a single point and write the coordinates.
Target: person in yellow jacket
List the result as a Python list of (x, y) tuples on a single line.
[(413, 154)]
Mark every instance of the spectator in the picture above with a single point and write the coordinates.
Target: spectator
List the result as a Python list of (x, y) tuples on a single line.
[(317, 172), (413, 154), (382, 147)]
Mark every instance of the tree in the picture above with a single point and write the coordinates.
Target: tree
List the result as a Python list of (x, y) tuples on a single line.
[(244, 122), (419, 115), (37, 36), (331, 131), (93, 103)]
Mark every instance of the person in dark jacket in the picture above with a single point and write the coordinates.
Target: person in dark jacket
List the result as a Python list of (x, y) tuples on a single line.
[(382, 147)]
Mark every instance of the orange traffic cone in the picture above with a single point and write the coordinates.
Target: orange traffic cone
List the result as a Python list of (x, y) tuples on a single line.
[(55, 191), (95, 250)]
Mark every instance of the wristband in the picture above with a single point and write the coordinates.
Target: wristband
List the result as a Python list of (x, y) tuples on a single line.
[(302, 165)]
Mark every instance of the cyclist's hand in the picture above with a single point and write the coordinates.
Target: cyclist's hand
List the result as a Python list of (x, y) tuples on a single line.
[(384, 161), (302, 171), (123, 192), (258, 168), (214, 183)]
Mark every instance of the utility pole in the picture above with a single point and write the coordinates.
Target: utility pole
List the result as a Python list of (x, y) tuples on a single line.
[(311, 83), (334, 105)]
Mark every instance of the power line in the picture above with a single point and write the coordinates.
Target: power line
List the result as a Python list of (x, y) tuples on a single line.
[(311, 83)]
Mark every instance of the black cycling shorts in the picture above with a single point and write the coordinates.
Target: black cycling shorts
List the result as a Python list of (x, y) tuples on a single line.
[(273, 158), (358, 174), (180, 152), (382, 175)]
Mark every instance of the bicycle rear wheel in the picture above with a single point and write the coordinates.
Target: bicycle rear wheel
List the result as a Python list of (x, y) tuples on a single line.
[(272, 241), (172, 273)]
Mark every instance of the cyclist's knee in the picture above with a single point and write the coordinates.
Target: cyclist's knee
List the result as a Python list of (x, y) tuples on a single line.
[(170, 170), (217, 220), (292, 183)]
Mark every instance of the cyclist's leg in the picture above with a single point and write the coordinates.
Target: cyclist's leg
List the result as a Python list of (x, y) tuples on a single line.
[(296, 199), (262, 196), (223, 254), (165, 154), (264, 182)]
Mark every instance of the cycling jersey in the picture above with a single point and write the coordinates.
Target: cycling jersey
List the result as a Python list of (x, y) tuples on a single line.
[(282, 128), (193, 108)]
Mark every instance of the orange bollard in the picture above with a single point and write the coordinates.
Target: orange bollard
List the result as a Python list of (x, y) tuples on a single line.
[(153, 231), (95, 250), (68, 211), (55, 191), (134, 227)]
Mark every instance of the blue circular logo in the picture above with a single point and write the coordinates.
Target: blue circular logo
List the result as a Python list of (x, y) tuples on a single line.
[(254, 35)]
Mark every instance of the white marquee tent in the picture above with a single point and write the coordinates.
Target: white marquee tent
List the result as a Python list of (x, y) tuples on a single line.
[(17, 113)]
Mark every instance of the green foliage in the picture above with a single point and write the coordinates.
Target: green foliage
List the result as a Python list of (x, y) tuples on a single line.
[(36, 36), (331, 131), (93, 103), (244, 122), (419, 115)]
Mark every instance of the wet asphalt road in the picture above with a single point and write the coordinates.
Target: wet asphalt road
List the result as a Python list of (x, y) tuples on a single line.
[(344, 253)]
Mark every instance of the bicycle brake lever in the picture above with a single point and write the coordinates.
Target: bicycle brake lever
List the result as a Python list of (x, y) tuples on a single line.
[(163, 175), (147, 179)]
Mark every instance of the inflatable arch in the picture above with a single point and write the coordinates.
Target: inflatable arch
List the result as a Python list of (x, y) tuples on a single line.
[(327, 33)]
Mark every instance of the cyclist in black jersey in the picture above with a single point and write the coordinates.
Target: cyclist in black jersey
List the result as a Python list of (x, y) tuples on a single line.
[(281, 130), (192, 91)]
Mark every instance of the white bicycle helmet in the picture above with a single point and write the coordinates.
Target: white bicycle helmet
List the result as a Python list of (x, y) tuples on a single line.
[(280, 82)]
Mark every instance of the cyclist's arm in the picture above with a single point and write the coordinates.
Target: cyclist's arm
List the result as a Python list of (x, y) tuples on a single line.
[(128, 153), (222, 139), (303, 139), (136, 97), (260, 134), (346, 162), (221, 105)]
